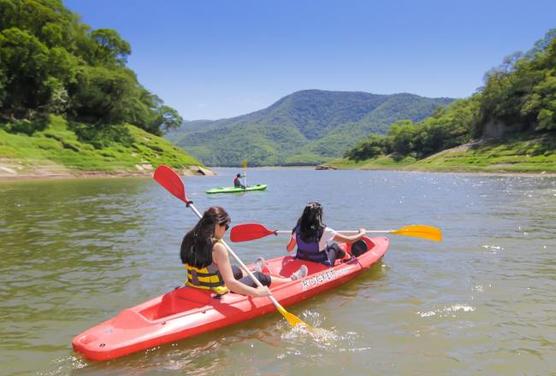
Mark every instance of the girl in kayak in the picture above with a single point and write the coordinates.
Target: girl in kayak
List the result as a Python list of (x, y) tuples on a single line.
[(208, 267), (315, 241), (237, 182)]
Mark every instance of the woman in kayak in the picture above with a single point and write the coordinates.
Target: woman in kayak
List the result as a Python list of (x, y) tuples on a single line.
[(315, 241), (208, 267)]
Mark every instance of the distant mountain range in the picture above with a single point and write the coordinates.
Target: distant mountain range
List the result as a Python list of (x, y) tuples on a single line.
[(304, 128)]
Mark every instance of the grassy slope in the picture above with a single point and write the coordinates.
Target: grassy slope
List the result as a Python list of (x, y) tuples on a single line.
[(517, 154), (59, 145)]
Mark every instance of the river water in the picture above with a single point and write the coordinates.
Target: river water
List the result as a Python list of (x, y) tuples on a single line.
[(76, 252)]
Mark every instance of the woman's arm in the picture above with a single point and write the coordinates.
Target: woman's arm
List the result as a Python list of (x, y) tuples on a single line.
[(220, 257), (349, 239)]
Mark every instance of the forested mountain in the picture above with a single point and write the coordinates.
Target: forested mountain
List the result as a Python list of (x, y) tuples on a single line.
[(517, 100), (306, 127)]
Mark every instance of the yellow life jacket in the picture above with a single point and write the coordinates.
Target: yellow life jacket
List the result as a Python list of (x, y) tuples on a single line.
[(207, 278)]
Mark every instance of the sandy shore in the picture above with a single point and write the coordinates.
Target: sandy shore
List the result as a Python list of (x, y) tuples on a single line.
[(12, 170)]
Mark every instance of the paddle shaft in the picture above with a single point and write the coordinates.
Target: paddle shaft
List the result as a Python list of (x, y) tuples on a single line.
[(343, 231), (244, 165), (272, 299)]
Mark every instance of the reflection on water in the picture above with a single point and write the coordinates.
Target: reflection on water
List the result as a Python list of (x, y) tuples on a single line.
[(75, 253)]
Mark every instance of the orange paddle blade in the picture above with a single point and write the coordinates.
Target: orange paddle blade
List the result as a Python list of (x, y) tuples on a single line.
[(292, 319), (420, 231)]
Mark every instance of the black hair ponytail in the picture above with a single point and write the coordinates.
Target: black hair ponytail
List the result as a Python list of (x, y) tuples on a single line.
[(196, 246), (310, 223)]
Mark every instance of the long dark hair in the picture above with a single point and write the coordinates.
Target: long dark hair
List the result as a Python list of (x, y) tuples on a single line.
[(310, 223), (196, 246)]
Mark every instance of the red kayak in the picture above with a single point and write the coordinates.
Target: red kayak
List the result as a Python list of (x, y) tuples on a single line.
[(186, 312)]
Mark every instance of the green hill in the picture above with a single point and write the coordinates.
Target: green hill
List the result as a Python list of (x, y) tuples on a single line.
[(306, 127), (57, 150), (507, 125)]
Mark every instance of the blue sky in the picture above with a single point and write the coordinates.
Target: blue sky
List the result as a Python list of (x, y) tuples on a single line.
[(217, 59)]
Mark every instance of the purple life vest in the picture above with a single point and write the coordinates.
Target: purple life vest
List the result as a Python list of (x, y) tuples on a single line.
[(310, 250)]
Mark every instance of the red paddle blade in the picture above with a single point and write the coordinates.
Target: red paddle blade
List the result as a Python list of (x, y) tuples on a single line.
[(170, 180), (249, 231)]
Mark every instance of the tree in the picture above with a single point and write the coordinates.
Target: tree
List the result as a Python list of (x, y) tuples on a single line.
[(524, 96), (111, 48), (24, 62), (372, 147), (541, 102), (167, 119), (542, 44), (3, 91), (98, 93), (401, 137), (50, 62)]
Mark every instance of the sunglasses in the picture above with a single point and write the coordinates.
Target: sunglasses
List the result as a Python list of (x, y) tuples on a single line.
[(227, 225)]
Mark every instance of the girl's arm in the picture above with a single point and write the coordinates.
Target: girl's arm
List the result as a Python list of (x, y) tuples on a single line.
[(220, 257), (349, 239), (291, 244)]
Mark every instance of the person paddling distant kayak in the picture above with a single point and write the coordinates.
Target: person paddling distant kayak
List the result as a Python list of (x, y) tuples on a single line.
[(315, 241), (237, 182), (208, 267)]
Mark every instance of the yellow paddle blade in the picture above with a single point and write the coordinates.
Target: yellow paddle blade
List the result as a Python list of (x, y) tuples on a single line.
[(244, 163), (420, 231), (292, 319)]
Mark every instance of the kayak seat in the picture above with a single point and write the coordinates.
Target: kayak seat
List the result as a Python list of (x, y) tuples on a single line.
[(179, 300), (290, 265), (130, 319)]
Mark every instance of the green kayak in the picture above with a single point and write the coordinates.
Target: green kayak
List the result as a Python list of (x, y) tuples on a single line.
[(256, 187)]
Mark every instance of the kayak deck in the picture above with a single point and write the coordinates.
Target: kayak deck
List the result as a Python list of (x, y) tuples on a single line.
[(186, 312), (256, 187)]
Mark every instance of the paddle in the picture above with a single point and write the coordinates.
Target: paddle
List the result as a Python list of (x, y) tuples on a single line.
[(251, 231), (244, 165), (167, 178)]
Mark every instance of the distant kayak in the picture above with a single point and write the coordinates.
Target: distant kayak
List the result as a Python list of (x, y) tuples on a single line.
[(187, 312), (256, 187)]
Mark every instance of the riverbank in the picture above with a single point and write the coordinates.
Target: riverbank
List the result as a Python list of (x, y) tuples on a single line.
[(532, 155), (10, 170), (57, 152)]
